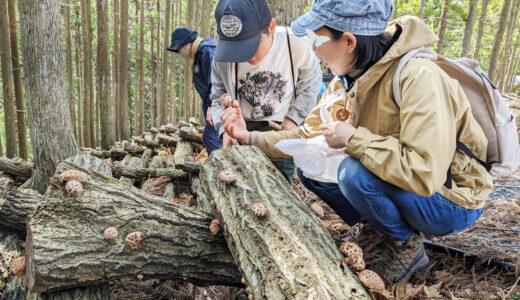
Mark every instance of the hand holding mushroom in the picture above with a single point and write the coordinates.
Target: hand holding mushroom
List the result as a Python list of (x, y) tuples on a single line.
[(234, 124)]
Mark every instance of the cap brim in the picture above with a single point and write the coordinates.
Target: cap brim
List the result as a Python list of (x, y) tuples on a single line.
[(172, 49), (304, 22), (237, 51)]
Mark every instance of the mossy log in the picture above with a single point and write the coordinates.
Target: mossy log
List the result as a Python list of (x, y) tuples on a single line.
[(286, 255), (189, 136), (119, 171), (16, 167), (183, 148), (66, 248), (168, 140), (17, 208)]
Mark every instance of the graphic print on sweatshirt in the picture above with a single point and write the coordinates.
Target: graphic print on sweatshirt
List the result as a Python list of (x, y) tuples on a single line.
[(264, 90)]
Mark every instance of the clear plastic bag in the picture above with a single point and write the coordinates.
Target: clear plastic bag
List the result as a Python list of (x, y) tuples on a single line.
[(314, 156)]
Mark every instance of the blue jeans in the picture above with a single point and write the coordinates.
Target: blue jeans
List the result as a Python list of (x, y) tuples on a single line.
[(390, 209), (210, 139)]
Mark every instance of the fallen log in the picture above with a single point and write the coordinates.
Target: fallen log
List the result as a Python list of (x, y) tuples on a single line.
[(66, 248), (119, 171), (168, 140), (286, 255), (16, 167), (133, 148), (183, 148), (189, 136), (17, 208)]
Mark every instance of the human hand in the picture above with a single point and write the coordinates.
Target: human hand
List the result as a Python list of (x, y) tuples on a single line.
[(338, 134), (228, 141), (209, 116), (234, 124), (288, 124)]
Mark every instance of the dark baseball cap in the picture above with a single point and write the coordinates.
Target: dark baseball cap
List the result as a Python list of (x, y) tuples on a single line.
[(239, 26), (180, 37)]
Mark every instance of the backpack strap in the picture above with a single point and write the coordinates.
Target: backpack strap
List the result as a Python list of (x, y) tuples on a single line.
[(290, 58), (396, 81)]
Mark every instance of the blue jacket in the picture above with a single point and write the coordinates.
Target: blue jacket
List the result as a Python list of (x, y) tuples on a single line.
[(202, 71)]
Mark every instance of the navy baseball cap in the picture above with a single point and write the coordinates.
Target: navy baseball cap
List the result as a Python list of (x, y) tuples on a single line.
[(180, 37), (361, 17), (239, 26)]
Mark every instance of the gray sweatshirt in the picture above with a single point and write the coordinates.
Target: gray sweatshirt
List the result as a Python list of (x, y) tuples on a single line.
[(266, 90)]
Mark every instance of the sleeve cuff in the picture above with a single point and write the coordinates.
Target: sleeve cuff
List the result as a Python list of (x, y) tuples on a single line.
[(359, 142), (294, 115)]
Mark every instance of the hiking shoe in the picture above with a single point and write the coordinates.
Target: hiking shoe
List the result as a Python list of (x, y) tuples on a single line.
[(374, 251), (406, 258)]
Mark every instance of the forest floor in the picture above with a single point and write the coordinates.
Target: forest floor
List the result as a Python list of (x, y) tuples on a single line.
[(478, 271)]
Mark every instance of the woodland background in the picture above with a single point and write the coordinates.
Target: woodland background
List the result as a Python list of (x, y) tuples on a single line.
[(119, 80)]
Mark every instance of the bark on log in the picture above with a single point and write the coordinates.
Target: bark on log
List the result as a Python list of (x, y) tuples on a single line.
[(119, 171), (189, 136), (183, 149), (133, 163), (148, 142), (168, 140), (286, 255), (156, 163), (65, 245), (95, 292), (17, 208), (147, 156), (16, 167), (133, 148)]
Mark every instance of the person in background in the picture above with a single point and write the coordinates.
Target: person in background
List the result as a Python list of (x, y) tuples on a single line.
[(200, 52)]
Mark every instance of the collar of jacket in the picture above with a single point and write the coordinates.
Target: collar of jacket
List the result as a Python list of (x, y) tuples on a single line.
[(194, 48)]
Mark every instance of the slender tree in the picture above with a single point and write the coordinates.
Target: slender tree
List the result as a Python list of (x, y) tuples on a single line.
[(123, 73), (509, 36), (497, 44), (187, 76), (153, 66), (87, 72), (140, 118), (49, 119), (480, 31), (68, 64), (468, 29), (507, 84), (79, 72), (163, 105), (117, 88), (513, 74), (17, 79), (421, 9), (9, 111), (442, 25), (103, 76)]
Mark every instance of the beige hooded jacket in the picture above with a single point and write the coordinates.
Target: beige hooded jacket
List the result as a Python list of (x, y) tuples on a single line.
[(414, 146)]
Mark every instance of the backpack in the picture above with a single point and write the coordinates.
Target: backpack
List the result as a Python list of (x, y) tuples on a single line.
[(488, 107)]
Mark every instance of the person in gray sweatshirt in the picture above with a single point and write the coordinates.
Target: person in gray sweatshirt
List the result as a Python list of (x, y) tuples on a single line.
[(273, 74)]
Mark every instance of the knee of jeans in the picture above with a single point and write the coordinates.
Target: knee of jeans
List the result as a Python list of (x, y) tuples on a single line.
[(353, 176)]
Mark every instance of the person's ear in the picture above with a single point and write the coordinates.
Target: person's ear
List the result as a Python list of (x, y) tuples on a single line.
[(272, 26), (350, 41)]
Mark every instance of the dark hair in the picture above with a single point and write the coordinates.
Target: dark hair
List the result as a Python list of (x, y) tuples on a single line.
[(369, 49), (266, 30)]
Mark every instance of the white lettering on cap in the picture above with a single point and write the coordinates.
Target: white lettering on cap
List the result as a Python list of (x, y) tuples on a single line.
[(230, 25)]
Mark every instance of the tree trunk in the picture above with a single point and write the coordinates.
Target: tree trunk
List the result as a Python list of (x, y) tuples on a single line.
[(288, 254), (20, 110), (509, 75), (92, 102), (421, 9), (205, 23), (70, 84), (79, 71), (187, 76), (153, 65), (140, 118), (163, 105), (286, 11), (515, 70), (103, 74), (10, 166), (480, 31), (7, 83), (506, 56), (87, 72), (65, 245), (442, 25), (158, 51), (116, 67), (497, 44), (50, 123), (468, 30), (123, 73)]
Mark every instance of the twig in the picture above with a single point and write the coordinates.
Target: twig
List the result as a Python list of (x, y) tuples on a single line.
[(496, 229), (508, 186), (511, 289)]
